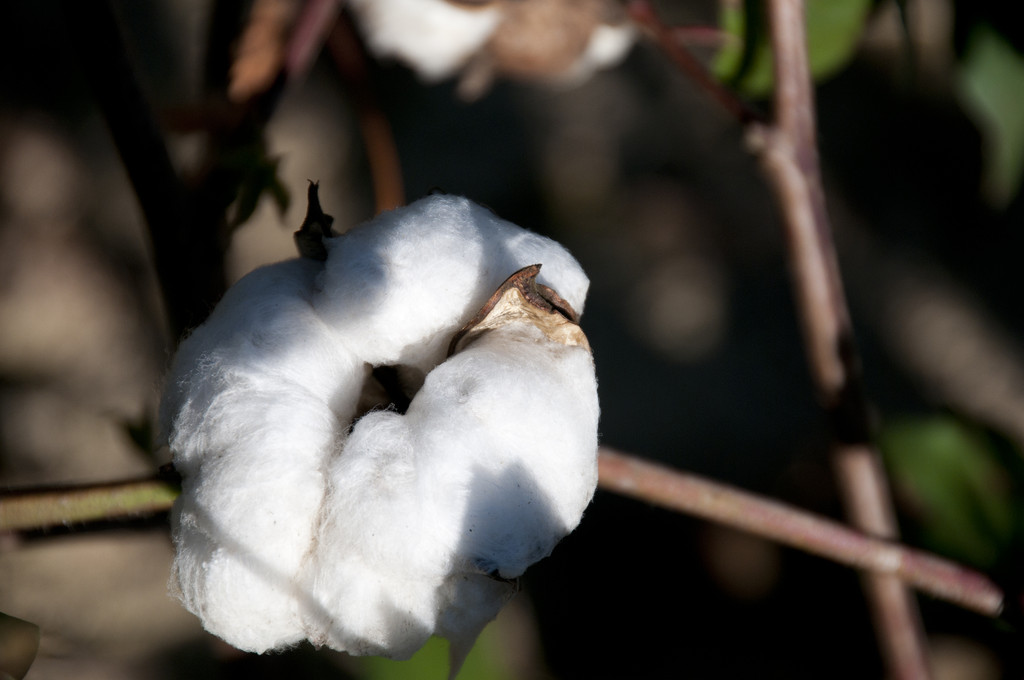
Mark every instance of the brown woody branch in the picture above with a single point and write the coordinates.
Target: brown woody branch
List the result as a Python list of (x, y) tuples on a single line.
[(35, 509), (40, 509), (788, 151), (694, 495), (382, 154)]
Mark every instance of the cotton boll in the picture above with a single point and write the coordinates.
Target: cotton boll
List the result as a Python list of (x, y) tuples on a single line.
[(402, 283), (555, 41), (290, 526), (435, 37), (430, 510), (607, 46), (559, 41), (256, 401)]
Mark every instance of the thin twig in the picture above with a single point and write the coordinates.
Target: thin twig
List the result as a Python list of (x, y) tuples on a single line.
[(260, 50), (694, 495), (643, 14), (788, 151), (314, 24), (43, 509), (701, 36), (34, 509), (279, 38), (381, 152)]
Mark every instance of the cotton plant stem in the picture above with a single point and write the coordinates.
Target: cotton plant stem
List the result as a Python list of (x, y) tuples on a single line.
[(619, 473), (319, 22), (381, 151), (789, 154), (103, 59), (43, 509), (643, 14), (314, 24), (776, 521), (788, 151)]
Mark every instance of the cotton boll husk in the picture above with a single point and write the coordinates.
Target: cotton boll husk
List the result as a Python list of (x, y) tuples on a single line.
[(434, 37), (490, 467), (257, 400), (401, 284)]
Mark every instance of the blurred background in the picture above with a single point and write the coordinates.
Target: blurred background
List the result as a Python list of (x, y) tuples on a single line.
[(698, 351)]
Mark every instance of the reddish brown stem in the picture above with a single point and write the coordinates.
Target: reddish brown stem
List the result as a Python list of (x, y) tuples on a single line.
[(700, 36), (314, 24), (643, 14), (34, 509), (385, 168), (691, 494), (789, 153)]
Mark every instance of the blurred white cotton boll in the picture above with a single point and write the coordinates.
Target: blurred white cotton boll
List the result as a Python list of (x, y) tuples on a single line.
[(251, 412), (429, 510), (435, 37), (400, 285), (608, 45), (550, 41)]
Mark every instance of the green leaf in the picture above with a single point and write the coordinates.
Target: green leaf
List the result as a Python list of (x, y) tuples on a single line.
[(992, 75), (483, 663), (834, 28), (960, 496), (257, 175)]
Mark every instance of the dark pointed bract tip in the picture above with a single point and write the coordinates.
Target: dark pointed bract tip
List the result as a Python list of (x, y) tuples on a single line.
[(309, 239)]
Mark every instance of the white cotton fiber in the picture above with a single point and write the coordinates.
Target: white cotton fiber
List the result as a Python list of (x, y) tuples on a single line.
[(299, 520), (402, 284), (254, 404), (491, 466), (434, 36)]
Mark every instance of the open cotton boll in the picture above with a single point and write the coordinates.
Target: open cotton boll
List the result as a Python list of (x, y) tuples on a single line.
[(475, 482), (291, 526), (553, 41), (435, 37), (251, 412), (401, 284)]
